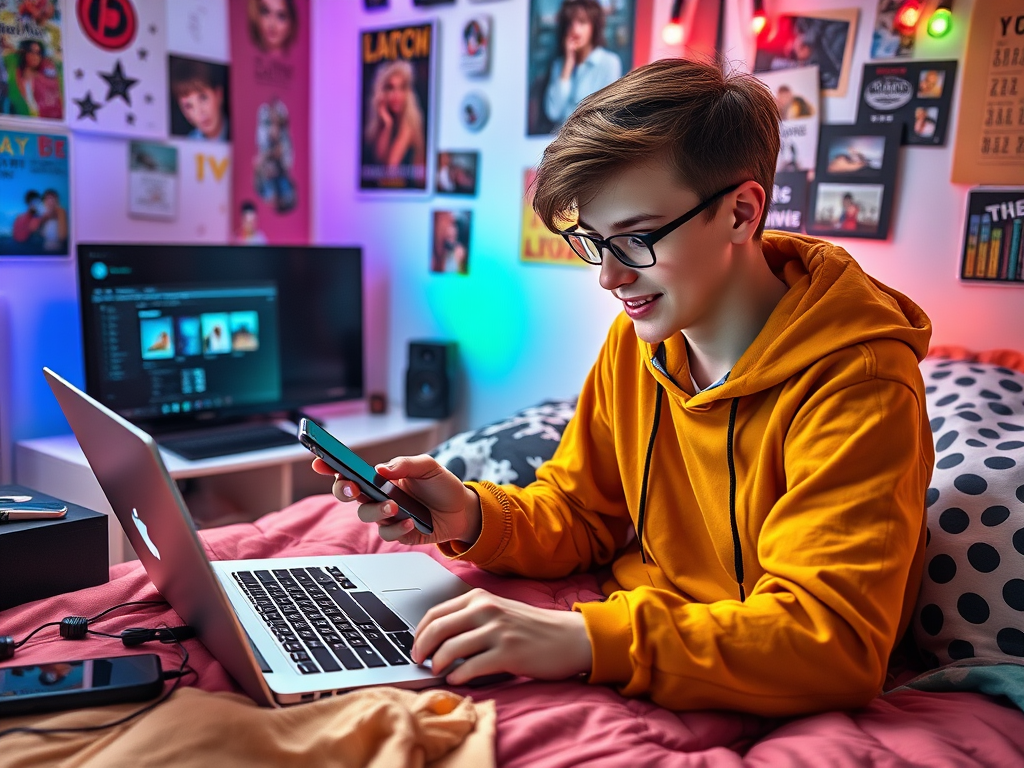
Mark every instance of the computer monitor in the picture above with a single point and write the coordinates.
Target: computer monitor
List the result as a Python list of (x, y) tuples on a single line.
[(181, 335)]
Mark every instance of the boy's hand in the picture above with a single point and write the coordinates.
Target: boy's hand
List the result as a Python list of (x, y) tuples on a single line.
[(454, 508), (494, 634)]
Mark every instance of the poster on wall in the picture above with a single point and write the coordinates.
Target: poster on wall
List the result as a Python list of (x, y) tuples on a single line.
[(32, 67), (789, 201), (577, 47), (198, 28), (915, 95), (886, 41), (538, 244), (797, 96), (450, 250), (270, 59), (822, 38), (989, 143), (34, 219), (117, 80), (397, 109), (152, 181), (993, 249), (475, 46), (198, 99), (456, 172), (853, 183)]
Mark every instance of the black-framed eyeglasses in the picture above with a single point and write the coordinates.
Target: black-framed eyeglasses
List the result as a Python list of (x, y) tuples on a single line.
[(633, 250)]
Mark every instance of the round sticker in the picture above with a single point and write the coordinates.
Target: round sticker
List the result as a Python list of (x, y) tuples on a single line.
[(474, 111), (110, 24)]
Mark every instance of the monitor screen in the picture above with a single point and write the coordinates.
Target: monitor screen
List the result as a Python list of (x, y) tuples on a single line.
[(175, 335)]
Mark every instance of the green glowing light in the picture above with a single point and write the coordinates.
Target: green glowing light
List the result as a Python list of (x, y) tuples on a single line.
[(940, 23)]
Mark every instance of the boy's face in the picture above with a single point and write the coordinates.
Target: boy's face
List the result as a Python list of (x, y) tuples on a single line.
[(685, 286), (202, 108)]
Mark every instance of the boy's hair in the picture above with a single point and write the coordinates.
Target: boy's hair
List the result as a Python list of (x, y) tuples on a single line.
[(594, 12), (190, 75), (31, 196), (714, 129)]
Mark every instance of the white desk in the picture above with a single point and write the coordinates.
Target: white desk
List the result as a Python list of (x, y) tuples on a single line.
[(232, 488)]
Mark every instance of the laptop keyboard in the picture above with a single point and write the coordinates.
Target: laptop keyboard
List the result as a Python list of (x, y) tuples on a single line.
[(323, 622)]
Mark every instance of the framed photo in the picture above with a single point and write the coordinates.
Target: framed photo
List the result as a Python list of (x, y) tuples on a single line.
[(450, 242), (456, 172), (602, 27), (916, 95), (397, 110), (993, 249), (886, 41), (198, 99), (152, 181), (853, 188), (823, 38), (35, 217), (475, 46)]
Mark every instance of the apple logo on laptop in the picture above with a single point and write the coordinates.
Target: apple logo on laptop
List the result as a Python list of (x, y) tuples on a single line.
[(144, 532)]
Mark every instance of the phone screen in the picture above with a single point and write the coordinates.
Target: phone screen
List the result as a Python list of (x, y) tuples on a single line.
[(349, 465), (48, 678)]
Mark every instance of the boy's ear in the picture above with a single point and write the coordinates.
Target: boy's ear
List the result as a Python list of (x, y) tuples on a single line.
[(749, 204)]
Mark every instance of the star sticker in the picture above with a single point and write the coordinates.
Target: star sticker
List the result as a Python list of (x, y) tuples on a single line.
[(79, 74), (130, 117), (152, 29), (148, 98), (118, 83), (143, 53), (87, 107)]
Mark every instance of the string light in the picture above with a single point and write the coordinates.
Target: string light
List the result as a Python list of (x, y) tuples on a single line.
[(759, 19), (907, 17), (672, 33), (941, 22)]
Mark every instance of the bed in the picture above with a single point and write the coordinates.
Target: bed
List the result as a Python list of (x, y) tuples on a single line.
[(956, 691)]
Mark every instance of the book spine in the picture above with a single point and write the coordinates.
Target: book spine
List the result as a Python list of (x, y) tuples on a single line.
[(971, 250), (1013, 267), (981, 267), (995, 252)]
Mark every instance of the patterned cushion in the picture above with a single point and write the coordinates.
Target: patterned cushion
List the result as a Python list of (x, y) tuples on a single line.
[(971, 604), (508, 451)]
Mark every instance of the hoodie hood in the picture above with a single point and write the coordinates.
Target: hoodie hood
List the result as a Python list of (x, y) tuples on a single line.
[(831, 304)]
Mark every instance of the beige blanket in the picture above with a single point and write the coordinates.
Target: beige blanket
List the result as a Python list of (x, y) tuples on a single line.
[(369, 727)]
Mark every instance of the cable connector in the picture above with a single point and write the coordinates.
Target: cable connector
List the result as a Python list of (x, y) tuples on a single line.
[(74, 627), (139, 635), (7, 647)]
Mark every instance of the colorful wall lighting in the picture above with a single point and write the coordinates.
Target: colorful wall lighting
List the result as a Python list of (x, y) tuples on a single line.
[(759, 19), (907, 17), (672, 33)]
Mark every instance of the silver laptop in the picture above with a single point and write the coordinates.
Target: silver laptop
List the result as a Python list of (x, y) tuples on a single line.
[(287, 629)]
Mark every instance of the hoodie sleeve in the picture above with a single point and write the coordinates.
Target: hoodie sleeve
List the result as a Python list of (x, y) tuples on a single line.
[(835, 575), (574, 516)]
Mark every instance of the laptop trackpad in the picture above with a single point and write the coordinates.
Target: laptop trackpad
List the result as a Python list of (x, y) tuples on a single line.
[(411, 604)]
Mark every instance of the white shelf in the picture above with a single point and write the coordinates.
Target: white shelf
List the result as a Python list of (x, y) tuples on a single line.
[(229, 488)]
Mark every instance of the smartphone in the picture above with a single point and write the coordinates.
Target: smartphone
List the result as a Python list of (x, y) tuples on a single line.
[(32, 510), (48, 687), (343, 461)]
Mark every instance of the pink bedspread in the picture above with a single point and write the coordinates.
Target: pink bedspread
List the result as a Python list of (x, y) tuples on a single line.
[(568, 723)]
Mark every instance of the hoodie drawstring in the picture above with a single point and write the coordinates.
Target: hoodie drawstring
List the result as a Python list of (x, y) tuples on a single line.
[(736, 548), (647, 472)]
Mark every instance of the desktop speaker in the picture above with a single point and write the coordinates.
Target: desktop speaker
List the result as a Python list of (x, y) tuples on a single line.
[(430, 380)]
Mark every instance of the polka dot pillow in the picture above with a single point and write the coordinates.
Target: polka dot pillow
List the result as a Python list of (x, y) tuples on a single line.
[(971, 604)]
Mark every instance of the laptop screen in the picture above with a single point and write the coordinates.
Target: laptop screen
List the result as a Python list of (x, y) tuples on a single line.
[(186, 334)]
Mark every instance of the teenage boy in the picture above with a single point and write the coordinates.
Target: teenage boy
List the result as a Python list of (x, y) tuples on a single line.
[(756, 416), (198, 88)]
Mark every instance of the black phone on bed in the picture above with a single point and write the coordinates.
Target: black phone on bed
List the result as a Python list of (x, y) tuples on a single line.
[(50, 686), (346, 463)]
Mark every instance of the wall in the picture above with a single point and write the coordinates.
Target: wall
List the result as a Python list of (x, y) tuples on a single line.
[(527, 332)]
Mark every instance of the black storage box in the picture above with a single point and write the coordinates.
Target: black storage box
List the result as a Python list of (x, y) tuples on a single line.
[(42, 558)]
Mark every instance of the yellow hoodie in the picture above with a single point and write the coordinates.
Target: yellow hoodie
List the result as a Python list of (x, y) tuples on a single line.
[(781, 514)]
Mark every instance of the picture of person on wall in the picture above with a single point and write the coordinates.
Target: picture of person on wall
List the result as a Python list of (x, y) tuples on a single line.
[(275, 155), (33, 81), (396, 107), (273, 25), (199, 101)]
